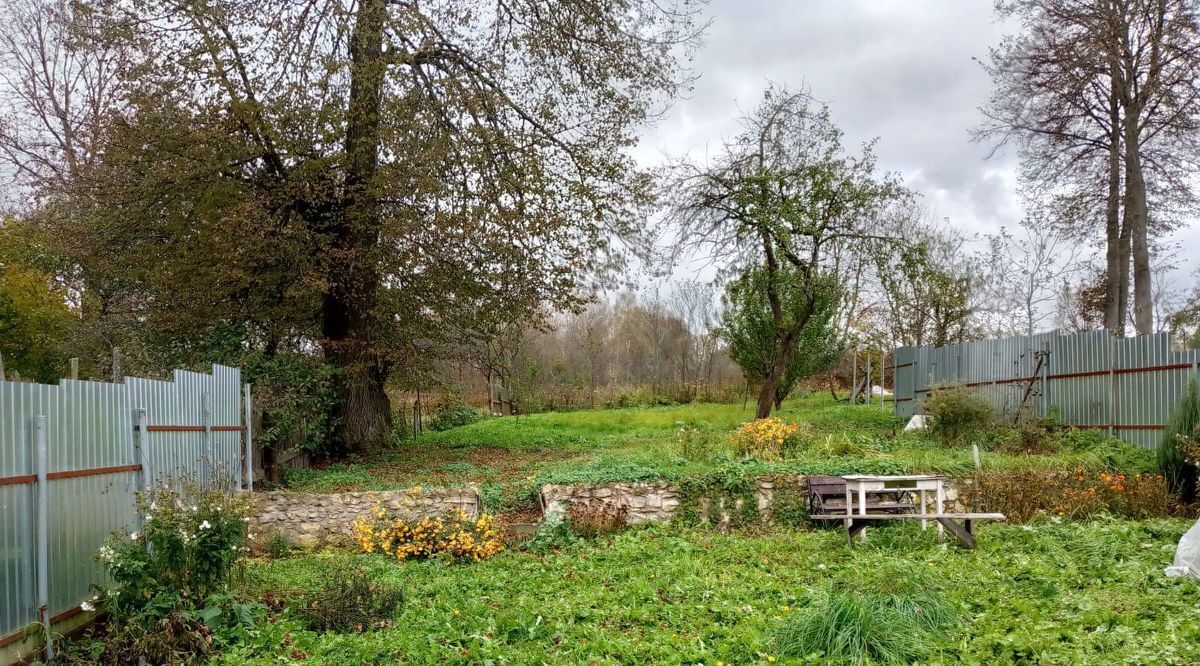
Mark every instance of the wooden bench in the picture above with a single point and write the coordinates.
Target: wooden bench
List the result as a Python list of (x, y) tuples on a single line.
[(963, 532), (827, 495)]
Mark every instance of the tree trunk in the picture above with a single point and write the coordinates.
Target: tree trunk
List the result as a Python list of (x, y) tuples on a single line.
[(1135, 202), (1114, 300), (363, 412), (766, 396)]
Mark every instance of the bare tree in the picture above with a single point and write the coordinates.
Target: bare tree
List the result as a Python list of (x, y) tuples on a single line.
[(1025, 274), (1103, 92)]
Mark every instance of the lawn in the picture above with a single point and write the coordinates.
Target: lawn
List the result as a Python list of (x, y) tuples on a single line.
[(511, 457), (1045, 593)]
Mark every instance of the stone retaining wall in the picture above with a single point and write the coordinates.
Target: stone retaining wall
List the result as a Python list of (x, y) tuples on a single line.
[(646, 502), (659, 501), (311, 519)]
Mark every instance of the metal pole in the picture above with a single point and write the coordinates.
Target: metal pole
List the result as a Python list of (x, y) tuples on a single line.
[(854, 378), (1112, 385), (141, 449), (869, 391), (206, 419), (249, 462), (43, 532), (883, 379), (75, 368)]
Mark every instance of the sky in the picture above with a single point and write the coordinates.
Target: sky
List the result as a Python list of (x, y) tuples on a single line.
[(903, 71)]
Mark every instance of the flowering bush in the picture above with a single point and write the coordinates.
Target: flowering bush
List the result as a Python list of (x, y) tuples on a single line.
[(1189, 447), (453, 536), (187, 549), (1020, 495), (763, 439)]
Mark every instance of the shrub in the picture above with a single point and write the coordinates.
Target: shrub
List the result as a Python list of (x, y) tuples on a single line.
[(278, 546), (170, 582), (296, 394), (192, 540), (694, 443), (553, 534), (896, 620), (595, 517), (1021, 495), (762, 439), (348, 601), (178, 638), (453, 415), (1031, 435), (958, 415), (1181, 440), (452, 536)]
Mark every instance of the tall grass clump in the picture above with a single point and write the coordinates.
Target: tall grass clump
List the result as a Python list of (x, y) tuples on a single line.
[(1180, 439), (894, 620), (958, 415)]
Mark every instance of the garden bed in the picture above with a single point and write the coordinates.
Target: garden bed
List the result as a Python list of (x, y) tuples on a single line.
[(1051, 592), (512, 458)]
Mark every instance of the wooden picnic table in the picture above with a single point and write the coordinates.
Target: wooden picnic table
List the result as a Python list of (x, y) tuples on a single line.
[(860, 486)]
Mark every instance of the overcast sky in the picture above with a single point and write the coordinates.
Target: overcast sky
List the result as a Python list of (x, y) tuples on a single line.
[(900, 70)]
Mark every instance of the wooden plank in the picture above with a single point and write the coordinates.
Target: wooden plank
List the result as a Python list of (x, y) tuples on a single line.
[(911, 516), (963, 533)]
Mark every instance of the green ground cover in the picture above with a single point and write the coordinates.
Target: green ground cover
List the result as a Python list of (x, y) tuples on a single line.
[(512, 456), (1044, 593)]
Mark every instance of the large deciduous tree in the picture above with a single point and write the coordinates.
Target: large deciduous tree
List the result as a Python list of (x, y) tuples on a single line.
[(1101, 98), (370, 178), (782, 196)]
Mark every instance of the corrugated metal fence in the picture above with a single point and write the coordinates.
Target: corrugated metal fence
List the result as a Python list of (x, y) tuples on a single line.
[(71, 458), (1125, 386)]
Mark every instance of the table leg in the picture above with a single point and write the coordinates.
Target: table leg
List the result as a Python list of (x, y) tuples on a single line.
[(941, 508), (862, 507), (849, 509), (924, 511)]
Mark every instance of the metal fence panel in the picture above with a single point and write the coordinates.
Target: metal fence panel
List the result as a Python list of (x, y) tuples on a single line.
[(1127, 386), (95, 469)]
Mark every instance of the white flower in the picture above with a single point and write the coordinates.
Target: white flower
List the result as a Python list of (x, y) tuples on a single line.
[(133, 536), (106, 553), (204, 525), (153, 506), (246, 519), (195, 508), (86, 607)]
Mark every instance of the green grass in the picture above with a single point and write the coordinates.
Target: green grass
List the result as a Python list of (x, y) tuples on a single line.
[(1069, 593), (512, 456)]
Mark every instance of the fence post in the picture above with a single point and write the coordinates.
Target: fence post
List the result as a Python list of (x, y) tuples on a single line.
[(75, 368), (854, 378), (883, 379), (1112, 385), (2, 367), (43, 531), (206, 420), (249, 462), (140, 449)]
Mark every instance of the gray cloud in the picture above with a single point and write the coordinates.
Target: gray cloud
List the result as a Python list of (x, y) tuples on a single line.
[(900, 70)]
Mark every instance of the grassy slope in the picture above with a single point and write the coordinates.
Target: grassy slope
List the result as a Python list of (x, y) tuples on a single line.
[(638, 444), (1077, 593)]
